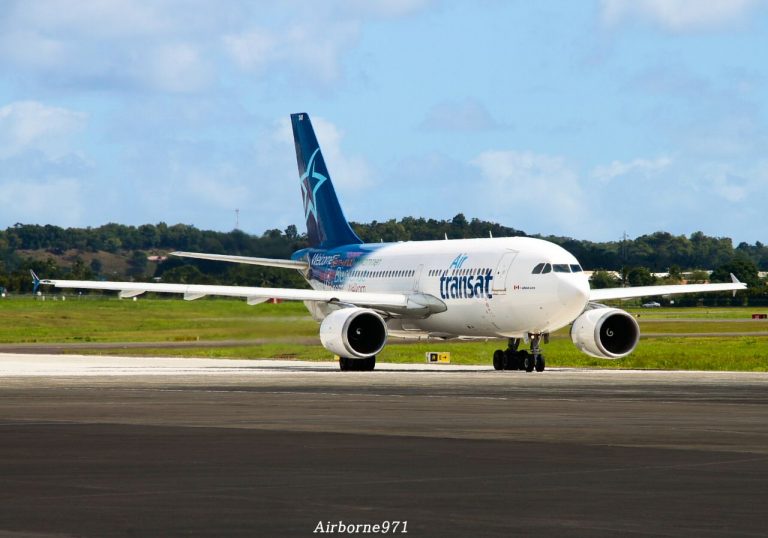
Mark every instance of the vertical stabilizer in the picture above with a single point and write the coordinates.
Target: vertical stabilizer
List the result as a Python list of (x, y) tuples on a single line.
[(326, 225)]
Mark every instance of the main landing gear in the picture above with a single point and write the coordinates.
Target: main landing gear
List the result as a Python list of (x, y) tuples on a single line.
[(357, 365), (514, 359)]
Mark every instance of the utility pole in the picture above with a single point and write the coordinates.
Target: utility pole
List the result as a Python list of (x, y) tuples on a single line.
[(237, 219), (624, 247)]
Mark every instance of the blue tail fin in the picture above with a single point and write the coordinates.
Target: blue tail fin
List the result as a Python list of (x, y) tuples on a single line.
[(35, 281), (326, 225)]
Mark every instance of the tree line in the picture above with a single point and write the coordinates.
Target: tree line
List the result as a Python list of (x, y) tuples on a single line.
[(683, 257)]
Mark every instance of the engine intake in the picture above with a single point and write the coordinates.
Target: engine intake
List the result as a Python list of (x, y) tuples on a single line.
[(353, 333), (605, 333)]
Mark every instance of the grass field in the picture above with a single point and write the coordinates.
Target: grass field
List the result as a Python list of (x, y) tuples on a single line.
[(148, 320), (286, 331)]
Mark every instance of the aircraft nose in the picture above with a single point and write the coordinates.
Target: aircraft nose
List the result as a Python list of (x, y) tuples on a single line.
[(573, 291)]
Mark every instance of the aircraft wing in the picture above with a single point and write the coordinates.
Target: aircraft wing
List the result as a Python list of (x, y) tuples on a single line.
[(396, 303), (675, 289), (269, 262)]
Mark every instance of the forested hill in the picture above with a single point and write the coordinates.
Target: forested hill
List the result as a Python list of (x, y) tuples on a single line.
[(130, 252)]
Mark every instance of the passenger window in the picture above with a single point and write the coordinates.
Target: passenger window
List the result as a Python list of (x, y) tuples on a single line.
[(537, 269), (547, 269), (561, 268)]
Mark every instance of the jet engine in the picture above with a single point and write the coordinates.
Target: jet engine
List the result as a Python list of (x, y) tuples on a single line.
[(605, 333), (356, 333)]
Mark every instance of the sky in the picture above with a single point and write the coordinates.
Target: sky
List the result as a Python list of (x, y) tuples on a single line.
[(586, 119)]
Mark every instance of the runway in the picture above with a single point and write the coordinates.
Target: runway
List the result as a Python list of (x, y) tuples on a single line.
[(117, 446)]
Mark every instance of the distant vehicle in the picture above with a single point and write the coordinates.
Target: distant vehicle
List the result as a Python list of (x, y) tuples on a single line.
[(519, 288), (652, 304)]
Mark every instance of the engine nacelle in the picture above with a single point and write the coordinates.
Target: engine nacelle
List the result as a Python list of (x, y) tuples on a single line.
[(605, 333), (356, 333)]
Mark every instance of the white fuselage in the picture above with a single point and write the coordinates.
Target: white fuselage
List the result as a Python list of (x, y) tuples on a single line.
[(506, 287)]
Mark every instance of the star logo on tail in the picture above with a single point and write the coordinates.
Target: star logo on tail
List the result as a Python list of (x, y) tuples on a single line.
[(310, 183)]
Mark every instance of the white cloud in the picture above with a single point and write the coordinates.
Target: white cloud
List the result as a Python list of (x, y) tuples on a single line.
[(679, 15), (732, 184), (644, 167), (253, 50), (303, 46), (733, 135), (465, 115), (112, 20), (383, 8), (177, 67), (173, 45), (162, 45), (533, 188), (348, 172), (56, 200), (215, 189), (30, 125)]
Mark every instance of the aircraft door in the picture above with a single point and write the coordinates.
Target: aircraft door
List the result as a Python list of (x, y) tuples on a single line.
[(417, 277), (502, 272)]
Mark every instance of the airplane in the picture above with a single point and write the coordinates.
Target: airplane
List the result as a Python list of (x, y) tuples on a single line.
[(516, 288)]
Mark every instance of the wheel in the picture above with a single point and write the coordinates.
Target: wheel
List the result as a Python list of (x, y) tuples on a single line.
[(539, 364), (520, 359), (368, 364), (528, 363), (510, 360), (344, 364), (498, 359)]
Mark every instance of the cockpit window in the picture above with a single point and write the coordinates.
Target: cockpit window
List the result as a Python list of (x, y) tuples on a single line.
[(576, 268), (537, 269), (547, 269), (561, 268)]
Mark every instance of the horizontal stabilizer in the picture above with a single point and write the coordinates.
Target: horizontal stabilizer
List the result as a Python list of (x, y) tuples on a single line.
[(269, 262)]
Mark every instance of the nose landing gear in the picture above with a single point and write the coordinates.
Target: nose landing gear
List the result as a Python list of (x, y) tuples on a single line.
[(513, 358)]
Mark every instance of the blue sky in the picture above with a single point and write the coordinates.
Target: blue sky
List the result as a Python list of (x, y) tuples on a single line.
[(584, 119)]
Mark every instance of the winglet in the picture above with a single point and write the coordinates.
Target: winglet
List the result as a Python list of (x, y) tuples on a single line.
[(35, 281), (735, 281)]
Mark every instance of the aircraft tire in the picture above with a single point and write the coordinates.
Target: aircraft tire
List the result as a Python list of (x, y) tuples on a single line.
[(539, 363), (511, 360), (369, 364), (520, 359), (344, 365), (528, 363), (499, 360)]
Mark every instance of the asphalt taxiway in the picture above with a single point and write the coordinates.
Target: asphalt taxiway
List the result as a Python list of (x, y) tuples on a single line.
[(116, 446)]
